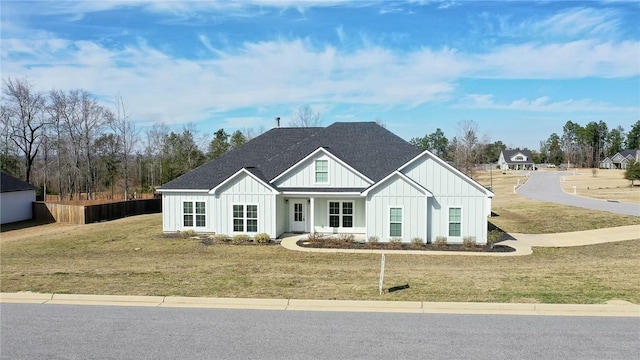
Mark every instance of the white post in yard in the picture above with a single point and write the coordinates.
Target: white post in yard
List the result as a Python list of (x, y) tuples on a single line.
[(514, 188), (381, 274), (574, 190)]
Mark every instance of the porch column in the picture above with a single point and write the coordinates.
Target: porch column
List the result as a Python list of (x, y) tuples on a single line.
[(311, 214)]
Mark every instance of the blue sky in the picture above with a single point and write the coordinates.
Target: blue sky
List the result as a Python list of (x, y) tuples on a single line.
[(519, 69)]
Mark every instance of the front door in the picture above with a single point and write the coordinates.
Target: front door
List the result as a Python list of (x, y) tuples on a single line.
[(298, 216)]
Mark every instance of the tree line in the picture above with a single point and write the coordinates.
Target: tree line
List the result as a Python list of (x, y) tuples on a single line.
[(70, 145), (580, 146)]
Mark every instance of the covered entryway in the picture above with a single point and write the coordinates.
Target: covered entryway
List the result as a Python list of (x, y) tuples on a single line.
[(298, 215)]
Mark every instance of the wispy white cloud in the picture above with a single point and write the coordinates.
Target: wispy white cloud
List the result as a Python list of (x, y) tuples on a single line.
[(544, 104)]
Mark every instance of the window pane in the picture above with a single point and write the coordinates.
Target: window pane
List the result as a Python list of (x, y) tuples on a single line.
[(188, 220), (455, 214), (347, 208), (200, 207), (395, 214), (395, 229), (252, 225), (454, 229), (334, 221), (347, 221), (187, 207), (238, 225), (322, 177), (334, 208), (252, 211), (238, 211), (322, 165), (200, 220)]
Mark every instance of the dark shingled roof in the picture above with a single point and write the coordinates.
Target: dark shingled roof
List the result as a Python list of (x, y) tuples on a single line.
[(508, 154), (366, 146), (9, 184)]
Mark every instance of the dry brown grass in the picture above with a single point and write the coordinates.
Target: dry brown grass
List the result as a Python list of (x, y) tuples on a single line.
[(515, 213), (130, 256), (606, 185)]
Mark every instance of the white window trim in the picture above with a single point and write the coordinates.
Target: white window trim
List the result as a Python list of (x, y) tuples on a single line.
[(461, 221), (315, 172), (245, 218), (340, 215), (194, 214), (402, 232)]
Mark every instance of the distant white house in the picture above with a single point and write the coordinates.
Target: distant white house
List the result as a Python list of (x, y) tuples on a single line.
[(16, 199), (516, 160), (350, 178)]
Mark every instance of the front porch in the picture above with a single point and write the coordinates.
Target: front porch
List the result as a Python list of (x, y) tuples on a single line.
[(326, 214)]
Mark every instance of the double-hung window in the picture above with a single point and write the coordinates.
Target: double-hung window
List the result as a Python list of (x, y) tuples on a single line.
[(341, 214), (455, 221), (395, 221), (245, 218), (322, 171), (188, 213)]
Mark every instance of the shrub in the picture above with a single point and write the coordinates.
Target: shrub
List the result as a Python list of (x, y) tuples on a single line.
[(417, 243), (441, 241), (187, 234), (469, 242), (493, 237), (395, 243), (315, 237), (221, 238), (240, 239), (374, 242), (346, 238), (262, 238)]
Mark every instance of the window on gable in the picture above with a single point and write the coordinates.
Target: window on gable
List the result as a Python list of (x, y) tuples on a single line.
[(245, 215), (455, 222), (395, 222), (322, 171), (340, 214), (188, 213)]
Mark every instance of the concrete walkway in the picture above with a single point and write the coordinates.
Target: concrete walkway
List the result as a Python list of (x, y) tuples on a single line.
[(522, 243), (615, 308)]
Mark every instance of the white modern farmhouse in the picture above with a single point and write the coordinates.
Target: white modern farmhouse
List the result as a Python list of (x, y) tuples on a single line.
[(356, 178)]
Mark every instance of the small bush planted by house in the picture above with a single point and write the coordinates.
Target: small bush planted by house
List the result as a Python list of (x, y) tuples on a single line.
[(417, 243), (441, 241), (262, 238), (395, 243), (374, 242), (206, 240), (315, 237), (493, 237), (240, 239), (346, 238), (469, 242), (187, 234), (221, 238)]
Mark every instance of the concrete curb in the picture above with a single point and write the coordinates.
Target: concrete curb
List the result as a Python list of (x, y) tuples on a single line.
[(616, 309)]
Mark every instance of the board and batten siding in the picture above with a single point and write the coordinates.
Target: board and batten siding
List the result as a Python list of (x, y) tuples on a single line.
[(245, 190), (303, 175), (397, 192), (449, 189), (173, 220), (16, 206)]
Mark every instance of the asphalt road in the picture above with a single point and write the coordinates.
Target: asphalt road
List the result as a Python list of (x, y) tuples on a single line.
[(36, 331), (545, 186)]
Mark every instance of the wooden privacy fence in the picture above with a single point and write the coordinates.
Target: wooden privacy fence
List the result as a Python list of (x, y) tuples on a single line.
[(86, 214)]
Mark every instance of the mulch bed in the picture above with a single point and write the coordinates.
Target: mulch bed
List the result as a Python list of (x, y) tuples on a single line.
[(387, 246)]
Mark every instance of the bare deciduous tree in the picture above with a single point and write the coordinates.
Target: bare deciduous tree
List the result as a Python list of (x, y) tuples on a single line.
[(128, 134), (305, 116), (25, 112), (469, 147)]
